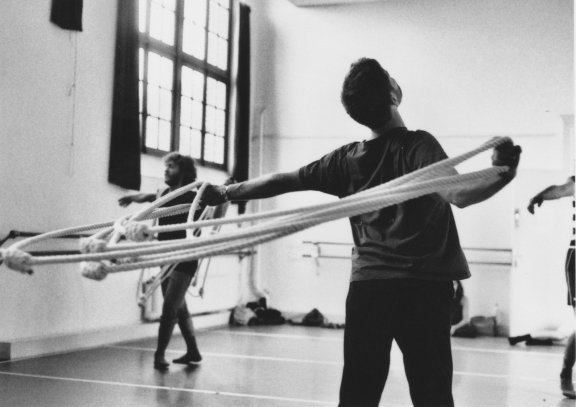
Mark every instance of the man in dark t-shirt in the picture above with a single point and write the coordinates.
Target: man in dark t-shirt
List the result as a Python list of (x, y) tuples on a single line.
[(405, 256), (180, 171), (414, 239)]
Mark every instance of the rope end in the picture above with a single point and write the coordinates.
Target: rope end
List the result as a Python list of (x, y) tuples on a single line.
[(94, 270), (17, 260)]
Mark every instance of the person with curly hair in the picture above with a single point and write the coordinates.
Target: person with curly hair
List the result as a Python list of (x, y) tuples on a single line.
[(180, 170)]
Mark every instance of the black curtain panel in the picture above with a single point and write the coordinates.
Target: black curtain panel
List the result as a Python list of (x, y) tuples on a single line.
[(67, 14), (124, 165), (242, 139)]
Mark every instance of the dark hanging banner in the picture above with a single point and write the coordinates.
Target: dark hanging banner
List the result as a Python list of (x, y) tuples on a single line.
[(67, 14), (124, 166), (242, 139)]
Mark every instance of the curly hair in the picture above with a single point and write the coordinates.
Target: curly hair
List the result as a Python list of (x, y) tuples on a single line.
[(186, 165), (366, 93)]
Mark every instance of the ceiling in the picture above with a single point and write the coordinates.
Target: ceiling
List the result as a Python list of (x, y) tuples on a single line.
[(319, 3)]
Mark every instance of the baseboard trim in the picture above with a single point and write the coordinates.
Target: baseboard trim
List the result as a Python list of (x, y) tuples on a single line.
[(48, 345)]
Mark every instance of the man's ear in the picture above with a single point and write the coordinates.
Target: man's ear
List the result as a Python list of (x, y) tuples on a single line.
[(396, 94)]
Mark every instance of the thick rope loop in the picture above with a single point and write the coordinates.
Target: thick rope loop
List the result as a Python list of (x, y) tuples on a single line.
[(126, 257)]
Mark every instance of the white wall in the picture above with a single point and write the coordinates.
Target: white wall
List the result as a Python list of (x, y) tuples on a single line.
[(469, 71), (54, 145)]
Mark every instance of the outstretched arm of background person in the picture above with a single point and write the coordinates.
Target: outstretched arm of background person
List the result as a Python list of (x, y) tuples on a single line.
[(265, 186), (551, 193), (505, 154), (139, 198)]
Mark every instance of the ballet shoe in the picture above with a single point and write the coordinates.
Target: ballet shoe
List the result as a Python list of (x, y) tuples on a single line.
[(160, 363), (567, 388), (513, 340), (190, 358), (539, 342)]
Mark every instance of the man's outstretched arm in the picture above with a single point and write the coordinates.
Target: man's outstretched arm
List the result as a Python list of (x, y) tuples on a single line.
[(265, 186), (506, 154), (551, 193)]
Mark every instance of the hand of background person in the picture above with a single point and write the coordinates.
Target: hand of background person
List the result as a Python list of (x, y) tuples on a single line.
[(125, 200), (536, 200), (139, 198)]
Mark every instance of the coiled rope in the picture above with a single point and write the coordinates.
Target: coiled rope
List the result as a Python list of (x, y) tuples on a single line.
[(99, 259)]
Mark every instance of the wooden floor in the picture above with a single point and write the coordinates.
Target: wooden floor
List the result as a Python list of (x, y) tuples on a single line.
[(268, 366)]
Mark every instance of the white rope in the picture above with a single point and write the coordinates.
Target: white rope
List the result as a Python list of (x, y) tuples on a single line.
[(157, 281), (205, 262), (365, 201), (116, 257), (253, 236)]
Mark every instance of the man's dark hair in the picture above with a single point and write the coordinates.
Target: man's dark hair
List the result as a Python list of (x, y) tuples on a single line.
[(366, 93), (186, 165)]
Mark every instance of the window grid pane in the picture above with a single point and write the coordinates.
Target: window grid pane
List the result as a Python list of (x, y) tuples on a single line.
[(141, 64), (164, 135), (219, 150), (195, 12), (210, 119), (160, 70), (196, 143), (216, 93), (192, 83), (168, 4), (209, 146), (162, 22), (218, 20), (140, 96), (151, 132), (153, 98), (217, 51), (142, 14), (165, 104), (223, 3), (185, 111), (220, 122), (194, 42), (184, 147)]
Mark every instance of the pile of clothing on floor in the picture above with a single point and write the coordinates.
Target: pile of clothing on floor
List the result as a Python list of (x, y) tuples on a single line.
[(315, 318), (258, 313)]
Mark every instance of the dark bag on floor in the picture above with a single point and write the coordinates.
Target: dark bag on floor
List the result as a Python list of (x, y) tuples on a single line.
[(485, 326), (465, 331), (315, 318), (265, 315)]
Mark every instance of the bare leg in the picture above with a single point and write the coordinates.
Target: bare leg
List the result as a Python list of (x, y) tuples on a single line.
[(174, 290), (187, 328)]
